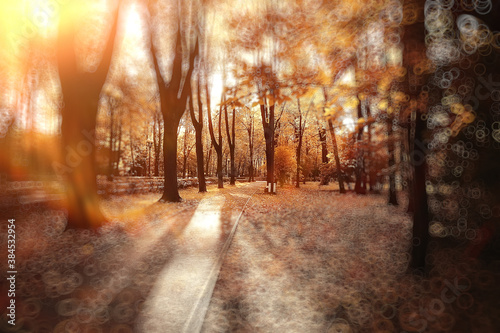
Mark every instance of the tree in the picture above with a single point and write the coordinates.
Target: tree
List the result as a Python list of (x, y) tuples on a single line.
[(81, 91), (360, 186), (324, 147), (413, 55), (217, 145), (261, 76), (390, 120), (187, 147), (249, 127), (299, 125), (231, 141), (284, 163), (198, 128), (173, 99), (267, 106), (335, 147), (157, 139)]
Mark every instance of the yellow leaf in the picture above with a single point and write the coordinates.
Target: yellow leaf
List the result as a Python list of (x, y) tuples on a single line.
[(383, 104), (270, 100), (468, 117), (457, 108)]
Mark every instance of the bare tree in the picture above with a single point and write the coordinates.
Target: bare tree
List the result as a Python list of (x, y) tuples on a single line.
[(173, 99), (231, 141), (217, 145)]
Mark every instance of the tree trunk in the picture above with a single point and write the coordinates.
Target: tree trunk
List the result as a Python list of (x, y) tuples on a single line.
[(231, 136), (111, 139), (172, 107), (119, 151), (370, 160), (220, 174), (131, 148), (335, 148), (393, 200), (185, 153), (81, 92), (209, 158), (324, 150), (421, 211), (156, 140), (170, 191), (217, 145), (233, 168), (336, 155), (298, 135), (410, 137), (198, 128), (268, 124), (324, 147), (233, 149), (358, 188), (250, 147)]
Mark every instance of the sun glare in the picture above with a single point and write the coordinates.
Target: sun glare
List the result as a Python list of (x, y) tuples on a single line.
[(216, 83), (132, 21)]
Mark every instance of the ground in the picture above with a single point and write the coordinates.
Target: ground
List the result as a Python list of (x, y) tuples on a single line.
[(304, 260), (312, 260)]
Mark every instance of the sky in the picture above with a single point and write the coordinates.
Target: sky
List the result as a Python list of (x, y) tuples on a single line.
[(34, 22)]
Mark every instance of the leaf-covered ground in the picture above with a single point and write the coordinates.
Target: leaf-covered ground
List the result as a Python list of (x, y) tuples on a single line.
[(305, 260), (84, 281), (312, 260)]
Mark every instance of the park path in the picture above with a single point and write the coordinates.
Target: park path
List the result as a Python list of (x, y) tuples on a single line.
[(180, 296)]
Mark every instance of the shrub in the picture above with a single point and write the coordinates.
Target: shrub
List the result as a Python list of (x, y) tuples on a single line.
[(284, 163)]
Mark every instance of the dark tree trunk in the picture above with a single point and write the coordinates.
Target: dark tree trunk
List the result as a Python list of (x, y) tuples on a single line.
[(231, 137), (209, 158), (298, 134), (111, 139), (324, 147), (157, 142), (360, 186), (217, 145), (410, 137), (170, 191), (421, 212), (81, 92), (250, 131), (393, 200), (185, 153), (172, 107), (370, 162), (220, 174), (198, 128), (119, 151), (131, 148), (414, 51), (267, 114)]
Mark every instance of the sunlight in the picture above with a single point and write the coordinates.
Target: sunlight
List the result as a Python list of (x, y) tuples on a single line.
[(348, 78), (196, 260), (207, 217), (217, 84), (43, 13), (250, 165), (133, 24)]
